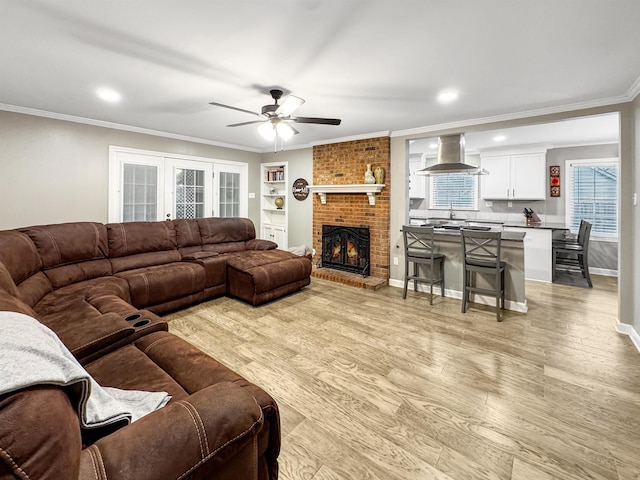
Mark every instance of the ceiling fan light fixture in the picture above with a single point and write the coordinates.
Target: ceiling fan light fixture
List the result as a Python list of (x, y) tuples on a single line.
[(284, 130), (267, 131)]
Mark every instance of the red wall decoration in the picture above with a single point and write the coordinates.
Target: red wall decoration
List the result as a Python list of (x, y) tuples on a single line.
[(554, 180)]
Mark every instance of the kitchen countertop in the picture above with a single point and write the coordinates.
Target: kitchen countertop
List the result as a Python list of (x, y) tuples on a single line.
[(540, 225), (509, 236)]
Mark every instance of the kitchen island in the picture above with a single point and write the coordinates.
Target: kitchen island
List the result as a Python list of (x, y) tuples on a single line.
[(447, 242), (538, 247)]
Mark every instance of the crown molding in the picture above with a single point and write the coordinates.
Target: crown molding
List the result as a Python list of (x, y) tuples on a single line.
[(516, 115), (364, 136), (119, 126), (634, 90)]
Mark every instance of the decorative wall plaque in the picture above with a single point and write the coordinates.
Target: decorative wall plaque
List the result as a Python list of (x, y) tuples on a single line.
[(300, 190), (554, 180)]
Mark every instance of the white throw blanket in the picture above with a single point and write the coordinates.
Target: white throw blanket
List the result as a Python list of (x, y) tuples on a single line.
[(32, 354)]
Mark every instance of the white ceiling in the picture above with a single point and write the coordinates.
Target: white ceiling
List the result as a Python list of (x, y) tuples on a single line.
[(593, 130), (376, 64)]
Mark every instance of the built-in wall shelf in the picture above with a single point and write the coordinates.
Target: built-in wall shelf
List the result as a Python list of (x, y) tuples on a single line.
[(369, 188)]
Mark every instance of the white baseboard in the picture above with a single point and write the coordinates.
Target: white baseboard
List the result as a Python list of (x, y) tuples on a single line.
[(626, 329), (603, 271), (521, 307)]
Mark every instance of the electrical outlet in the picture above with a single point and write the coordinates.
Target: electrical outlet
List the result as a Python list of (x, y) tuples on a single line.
[(395, 260), (252, 195)]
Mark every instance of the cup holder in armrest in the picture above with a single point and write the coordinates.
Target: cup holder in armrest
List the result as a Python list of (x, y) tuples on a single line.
[(132, 317), (141, 323)]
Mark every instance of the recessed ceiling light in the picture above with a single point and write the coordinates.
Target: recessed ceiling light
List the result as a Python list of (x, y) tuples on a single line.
[(499, 138), (448, 96), (108, 95), (433, 146)]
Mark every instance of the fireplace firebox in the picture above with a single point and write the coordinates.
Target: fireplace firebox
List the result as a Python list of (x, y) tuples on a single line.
[(346, 248)]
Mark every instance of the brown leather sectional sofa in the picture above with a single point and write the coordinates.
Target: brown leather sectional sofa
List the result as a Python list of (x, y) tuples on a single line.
[(100, 288)]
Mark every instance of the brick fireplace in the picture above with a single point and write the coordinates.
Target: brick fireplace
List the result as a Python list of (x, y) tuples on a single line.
[(343, 164)]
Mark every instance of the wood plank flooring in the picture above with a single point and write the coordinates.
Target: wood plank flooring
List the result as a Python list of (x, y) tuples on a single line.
[(371, 386)]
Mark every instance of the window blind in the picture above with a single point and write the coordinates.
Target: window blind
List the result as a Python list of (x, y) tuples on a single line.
[(456, 191), (593, 196)]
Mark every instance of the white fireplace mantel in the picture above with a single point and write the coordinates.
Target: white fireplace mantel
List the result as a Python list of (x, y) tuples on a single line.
[(369, 188)]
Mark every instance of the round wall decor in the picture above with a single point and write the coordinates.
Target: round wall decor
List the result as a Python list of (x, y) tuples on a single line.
[(300, 190)]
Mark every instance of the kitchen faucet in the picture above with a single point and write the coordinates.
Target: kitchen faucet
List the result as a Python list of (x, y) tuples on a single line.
[(451, 214)]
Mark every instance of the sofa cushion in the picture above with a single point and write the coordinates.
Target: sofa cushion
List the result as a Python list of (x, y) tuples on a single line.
[(225, 247), (6, 282), (81, 326), (9, 303), (140, 237), (187, 233), (267, 270), (223, 230), (19, 255), (260, 244), (67, 243), (158, 284), (71, 252), (141, 260)]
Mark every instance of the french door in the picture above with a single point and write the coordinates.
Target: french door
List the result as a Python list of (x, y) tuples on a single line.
[(188, 189), (151, 186)]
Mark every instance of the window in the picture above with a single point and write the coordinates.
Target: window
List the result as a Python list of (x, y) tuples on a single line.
[(139, 192), (229, 194), (592, 195), (457, 191)]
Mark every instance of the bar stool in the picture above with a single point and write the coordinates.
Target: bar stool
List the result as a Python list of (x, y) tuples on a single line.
[(481, 254), (574, 256), (418, 249)]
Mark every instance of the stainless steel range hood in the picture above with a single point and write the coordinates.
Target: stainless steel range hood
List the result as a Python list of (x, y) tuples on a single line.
[(451, 158)]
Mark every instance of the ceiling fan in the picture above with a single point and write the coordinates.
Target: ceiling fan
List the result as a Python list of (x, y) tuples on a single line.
[(275, 122)]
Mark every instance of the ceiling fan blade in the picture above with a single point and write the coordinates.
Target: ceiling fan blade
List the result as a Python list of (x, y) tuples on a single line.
[(290, 104), (321, 121), (216, 104), (246, 123)]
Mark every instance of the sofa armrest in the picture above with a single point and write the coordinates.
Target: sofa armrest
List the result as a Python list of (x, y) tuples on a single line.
[(210, 434), (195, 256), (260, 244)]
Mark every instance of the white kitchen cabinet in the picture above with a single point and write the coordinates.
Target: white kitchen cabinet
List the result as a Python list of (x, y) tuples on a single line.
[(417, 183), (514, 177), (537, 252)]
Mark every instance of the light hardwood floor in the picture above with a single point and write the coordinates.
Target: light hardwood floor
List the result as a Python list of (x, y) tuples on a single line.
[(371, 386)]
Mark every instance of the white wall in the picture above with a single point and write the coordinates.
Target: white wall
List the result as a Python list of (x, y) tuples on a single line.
[(54, 171)]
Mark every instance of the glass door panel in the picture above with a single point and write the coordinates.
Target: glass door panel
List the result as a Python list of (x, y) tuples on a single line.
[(231, 185), (189, 188)]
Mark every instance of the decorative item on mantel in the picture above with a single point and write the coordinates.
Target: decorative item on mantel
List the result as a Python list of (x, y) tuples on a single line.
[(378, 173), (368, 175), (530, 216)]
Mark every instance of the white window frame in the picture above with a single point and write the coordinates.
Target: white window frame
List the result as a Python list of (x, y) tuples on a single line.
[(569, 165), (475, 193)]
